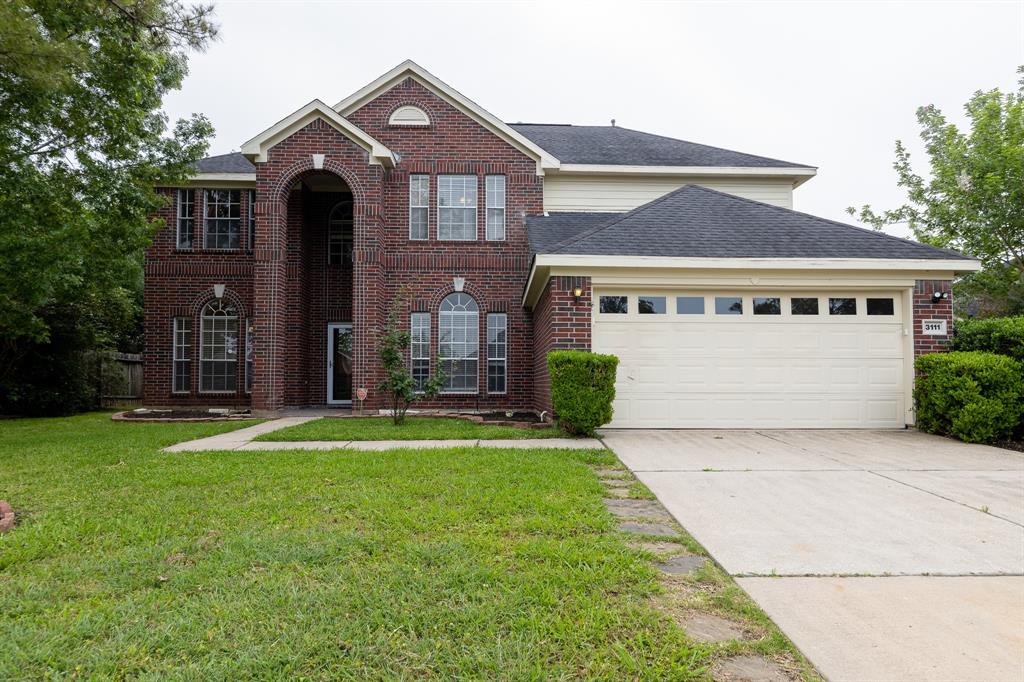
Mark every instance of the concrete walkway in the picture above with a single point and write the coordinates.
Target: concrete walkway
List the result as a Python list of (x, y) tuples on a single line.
[(242, 439), (884, 555)]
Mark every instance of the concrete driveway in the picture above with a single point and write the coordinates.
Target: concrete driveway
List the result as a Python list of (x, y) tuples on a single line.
[(884, 555)]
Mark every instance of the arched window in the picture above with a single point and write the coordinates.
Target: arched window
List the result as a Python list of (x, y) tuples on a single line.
[(339, 234), (409, 116), (218, 347), (458, 344)]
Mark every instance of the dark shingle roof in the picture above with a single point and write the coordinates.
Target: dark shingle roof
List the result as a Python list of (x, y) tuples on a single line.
[(615, 146), (225, 163), (698, 222)]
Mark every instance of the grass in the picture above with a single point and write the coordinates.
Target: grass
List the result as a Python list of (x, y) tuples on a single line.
[(128, 562), (414, 428)]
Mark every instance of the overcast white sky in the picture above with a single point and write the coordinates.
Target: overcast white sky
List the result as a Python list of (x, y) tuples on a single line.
[(828, 84)]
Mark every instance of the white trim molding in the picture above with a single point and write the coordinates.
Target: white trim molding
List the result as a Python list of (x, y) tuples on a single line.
[(256, 149), (799, 174), (716, 271), (410, 69)]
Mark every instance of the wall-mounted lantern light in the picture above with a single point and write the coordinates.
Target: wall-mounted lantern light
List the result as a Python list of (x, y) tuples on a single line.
[(576, 293)]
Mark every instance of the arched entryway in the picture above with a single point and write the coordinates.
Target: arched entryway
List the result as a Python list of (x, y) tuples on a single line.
[(321, 229)]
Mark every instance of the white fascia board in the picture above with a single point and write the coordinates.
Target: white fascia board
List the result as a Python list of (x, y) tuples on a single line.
[(256, 149), (668, 262), (546, 264), (800, 175), (223, 177), (409, 68)]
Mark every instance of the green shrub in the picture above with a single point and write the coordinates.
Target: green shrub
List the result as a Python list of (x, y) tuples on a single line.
[(973, 396), (1002, 335), (582, 389)]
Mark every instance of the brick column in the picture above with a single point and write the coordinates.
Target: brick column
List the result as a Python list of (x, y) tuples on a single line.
[(925, 309), (269, 300), (560, 323)]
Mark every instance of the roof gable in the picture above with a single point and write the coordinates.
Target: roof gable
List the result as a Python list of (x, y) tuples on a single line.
[(256, 149), (410, 69), (697, 222)]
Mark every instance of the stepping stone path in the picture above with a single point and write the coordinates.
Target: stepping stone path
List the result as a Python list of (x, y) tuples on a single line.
[(660, 547), (638, 509), (684, 564), (657, 529), (707, 627), (617, 474), (748, 669), (618, 492)]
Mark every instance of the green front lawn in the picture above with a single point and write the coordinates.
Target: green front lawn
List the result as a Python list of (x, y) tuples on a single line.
[(414, 428), (474, 563)]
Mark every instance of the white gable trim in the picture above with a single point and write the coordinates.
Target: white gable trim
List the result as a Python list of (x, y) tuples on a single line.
[(256, 149), (410, 69)]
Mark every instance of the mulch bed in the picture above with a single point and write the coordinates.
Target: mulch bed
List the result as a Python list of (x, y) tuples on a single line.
[(1010, 445), (519, 420), (180, 416)]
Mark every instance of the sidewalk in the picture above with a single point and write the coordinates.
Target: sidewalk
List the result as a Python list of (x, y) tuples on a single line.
[(243, 440)]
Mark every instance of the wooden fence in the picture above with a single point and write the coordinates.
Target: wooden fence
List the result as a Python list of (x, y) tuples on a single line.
[(119, 379)]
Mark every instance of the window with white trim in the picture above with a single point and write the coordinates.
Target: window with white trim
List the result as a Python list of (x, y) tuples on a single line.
[(495, 185), (218, 347), (223, 218), (419, 349), (458, 342), (339, 234), (419, 206), (456, 207), (182, 369), (251, 241), (186, 224), (497, 352), (248, 356)]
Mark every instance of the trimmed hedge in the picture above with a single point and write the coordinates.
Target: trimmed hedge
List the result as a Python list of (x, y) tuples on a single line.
[(1002, 335), (582, 389), (974, 396)]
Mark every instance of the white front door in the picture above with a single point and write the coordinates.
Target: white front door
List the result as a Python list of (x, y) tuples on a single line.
[(727, 359), (339, 363)]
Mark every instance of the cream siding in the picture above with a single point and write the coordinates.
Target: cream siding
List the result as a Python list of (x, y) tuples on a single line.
[(597, 193)]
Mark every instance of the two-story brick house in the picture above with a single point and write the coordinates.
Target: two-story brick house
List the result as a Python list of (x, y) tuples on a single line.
[(278, 265)]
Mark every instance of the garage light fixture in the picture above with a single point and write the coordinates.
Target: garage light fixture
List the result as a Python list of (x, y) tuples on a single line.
[(577, 292)]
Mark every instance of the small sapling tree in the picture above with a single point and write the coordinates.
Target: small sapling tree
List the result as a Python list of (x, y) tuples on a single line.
[(398, 384)]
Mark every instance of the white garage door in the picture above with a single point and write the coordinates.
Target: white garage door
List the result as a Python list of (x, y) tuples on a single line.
[(736, 360)]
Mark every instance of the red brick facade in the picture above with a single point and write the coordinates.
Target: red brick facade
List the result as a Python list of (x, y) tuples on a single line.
[(289, 294), (926, 308)]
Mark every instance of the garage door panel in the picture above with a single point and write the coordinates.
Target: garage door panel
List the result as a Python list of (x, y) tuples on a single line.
[(744, 371)]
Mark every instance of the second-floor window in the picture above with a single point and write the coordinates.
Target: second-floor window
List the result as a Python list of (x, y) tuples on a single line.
[(419, 205), (456, 207), (223, 218), (496, 207), (186, 218), (252, 220)]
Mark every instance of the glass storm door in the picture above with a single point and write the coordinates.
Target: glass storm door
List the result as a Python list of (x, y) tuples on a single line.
[(339, 364)]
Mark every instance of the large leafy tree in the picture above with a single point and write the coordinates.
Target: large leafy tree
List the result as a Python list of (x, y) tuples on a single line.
[(973, 198), (82, 144)]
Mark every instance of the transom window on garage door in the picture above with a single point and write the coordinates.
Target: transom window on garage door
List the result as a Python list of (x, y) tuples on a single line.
[(766, 305)]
